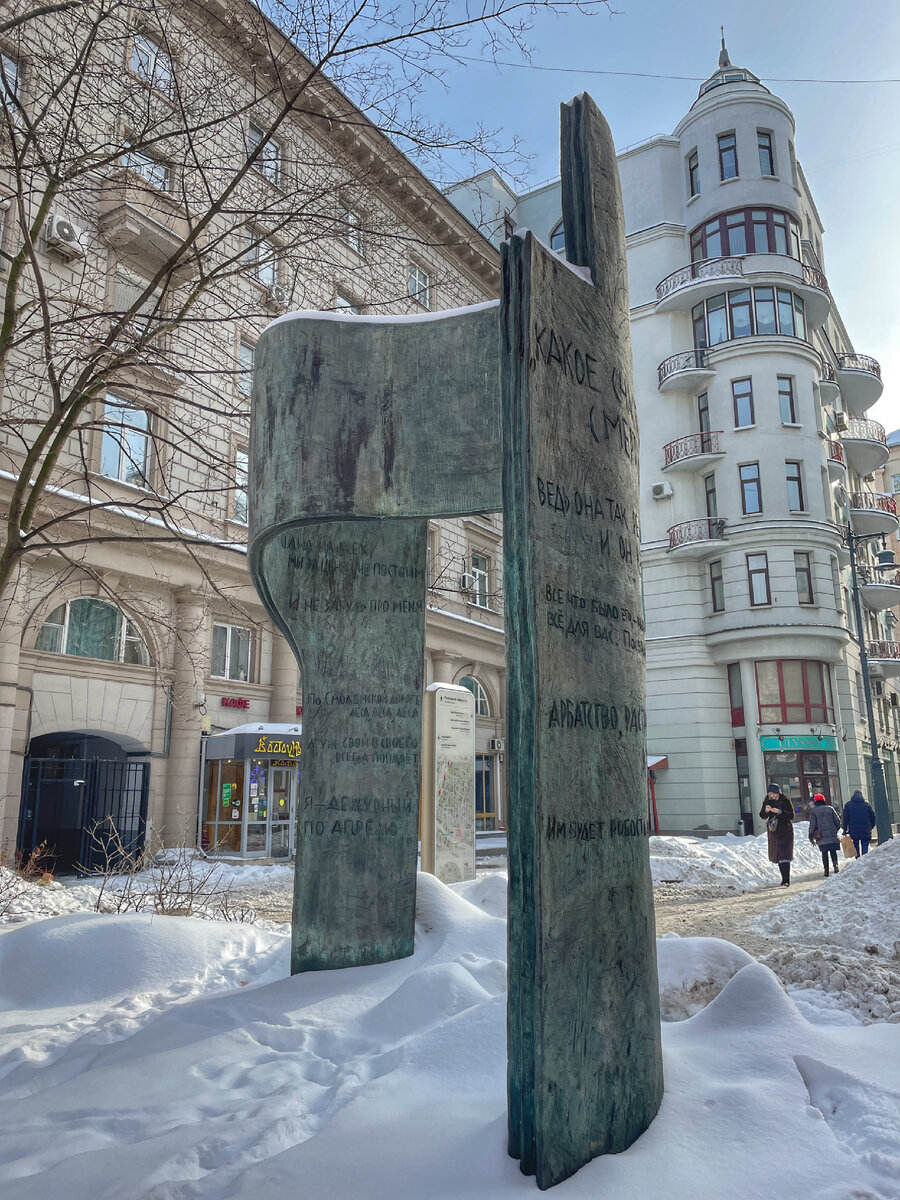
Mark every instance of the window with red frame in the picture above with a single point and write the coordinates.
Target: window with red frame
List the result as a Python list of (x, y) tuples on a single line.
[(747, 231), (793, 690), (735, 694)]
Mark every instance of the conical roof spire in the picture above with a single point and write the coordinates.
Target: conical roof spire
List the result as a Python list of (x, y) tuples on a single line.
[(724, 60)]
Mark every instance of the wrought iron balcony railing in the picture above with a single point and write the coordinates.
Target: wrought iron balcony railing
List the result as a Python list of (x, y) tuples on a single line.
[(704, 268), (859, 362), (826, 372), (685, 360), (874, 502), (704, 529), (835, 451), (864, 430), (691, 445), (883, 650)]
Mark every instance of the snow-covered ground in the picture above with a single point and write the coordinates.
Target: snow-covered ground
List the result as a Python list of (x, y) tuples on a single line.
[(149, 1057), (739, 863)]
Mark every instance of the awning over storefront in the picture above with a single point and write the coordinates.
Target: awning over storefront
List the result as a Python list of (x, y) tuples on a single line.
[(255, 741)]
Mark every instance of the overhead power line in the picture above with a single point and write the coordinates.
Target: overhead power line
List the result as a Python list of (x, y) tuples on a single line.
[(524, 66)]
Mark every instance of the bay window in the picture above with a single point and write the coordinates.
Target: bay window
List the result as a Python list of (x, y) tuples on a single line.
[(746, 312), (747, 231), (794, 691)]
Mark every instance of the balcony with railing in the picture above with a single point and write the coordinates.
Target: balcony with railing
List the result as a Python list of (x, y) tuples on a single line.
[(684, 370), (859, 378), (698, 538), (837, 468), (873, 513), (828, 384), (693, 451), (886, 655), (865, 446), (879, 590), (706, 276)]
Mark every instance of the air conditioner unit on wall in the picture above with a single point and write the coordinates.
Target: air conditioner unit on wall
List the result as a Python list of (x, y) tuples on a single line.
[(661, 491), (467, 582), (64, 236), (498, 744), (840, 421), (277, 296)]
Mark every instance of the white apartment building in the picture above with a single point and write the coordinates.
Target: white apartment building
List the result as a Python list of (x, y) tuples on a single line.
[(756, 453), (133, 631)]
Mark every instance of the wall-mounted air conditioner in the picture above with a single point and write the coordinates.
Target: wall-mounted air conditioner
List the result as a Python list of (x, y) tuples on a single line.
[(840, 421), (467, 582), (64, 236), (276, 296), (498, 744), (661, 491)]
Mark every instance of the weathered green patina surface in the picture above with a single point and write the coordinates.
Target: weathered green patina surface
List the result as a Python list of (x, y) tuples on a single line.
[(361, 430), (585, 1064)]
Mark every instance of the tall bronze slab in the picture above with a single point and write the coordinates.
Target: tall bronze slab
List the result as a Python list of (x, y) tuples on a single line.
[(585, 1063), (361, 430)]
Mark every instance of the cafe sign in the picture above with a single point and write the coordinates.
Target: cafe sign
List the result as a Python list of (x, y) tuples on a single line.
[(272, 745), (808, 742)]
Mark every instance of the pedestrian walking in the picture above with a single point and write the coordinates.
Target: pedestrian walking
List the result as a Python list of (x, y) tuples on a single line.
[(824, 828), (778, 814), (859, 821)]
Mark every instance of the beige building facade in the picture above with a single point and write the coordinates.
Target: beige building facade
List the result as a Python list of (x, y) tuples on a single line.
[(131, 635)]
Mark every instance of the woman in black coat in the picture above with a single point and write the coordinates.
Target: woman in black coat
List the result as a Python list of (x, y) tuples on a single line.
[(778, 811)]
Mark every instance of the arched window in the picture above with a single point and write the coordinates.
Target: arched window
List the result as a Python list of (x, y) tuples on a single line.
[(558, 238), (88, 628), (482, 704)]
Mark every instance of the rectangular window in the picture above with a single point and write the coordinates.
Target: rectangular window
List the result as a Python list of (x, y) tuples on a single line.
[(794, 486), (693, 166), (766, 155), (895, 483), (125, 447), (241, 476), (127, 292), (780, 228), (717, 318), (786, 400), (737, 233), (717, 586), (728, 163), (349, 228), (703, 417), (760, 221), (345, 303), (261, 259), (485, 799), (736, 694), (709, 487), (785, 313), (742, 395), (149, 168), (481, 569), (793, 158), (152, 64), (420, 285), (246, 355), (698, 315), (751, 492), (803, 571), (764, 303), (9, 77), (231, 653), (758, 579), (269, 162), (712, 234), (741, 321), (794, 690)]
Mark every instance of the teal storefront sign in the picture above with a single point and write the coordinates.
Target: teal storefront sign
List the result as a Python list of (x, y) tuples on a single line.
[(809, 742)]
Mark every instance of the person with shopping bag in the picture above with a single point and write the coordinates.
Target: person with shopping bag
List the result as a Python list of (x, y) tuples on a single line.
[(778, 814), (824, 826), (859, 821)]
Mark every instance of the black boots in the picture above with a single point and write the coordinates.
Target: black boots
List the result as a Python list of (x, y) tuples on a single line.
[(785, 869)]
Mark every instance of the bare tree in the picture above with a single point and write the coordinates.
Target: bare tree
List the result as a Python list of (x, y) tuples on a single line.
[(172, 173)]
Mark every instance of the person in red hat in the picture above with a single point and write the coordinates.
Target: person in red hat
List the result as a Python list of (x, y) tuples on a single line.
[(824, 830)]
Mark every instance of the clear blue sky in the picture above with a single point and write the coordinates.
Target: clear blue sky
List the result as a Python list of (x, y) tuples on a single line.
[(848, 135)]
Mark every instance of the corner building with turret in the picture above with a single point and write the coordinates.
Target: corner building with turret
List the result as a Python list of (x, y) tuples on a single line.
[(757, 455)]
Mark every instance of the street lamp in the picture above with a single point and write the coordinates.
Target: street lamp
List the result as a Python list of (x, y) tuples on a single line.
[(879, 793)]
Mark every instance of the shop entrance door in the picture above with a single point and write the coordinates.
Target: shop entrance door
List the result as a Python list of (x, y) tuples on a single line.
[(813, 779), (281, 811)]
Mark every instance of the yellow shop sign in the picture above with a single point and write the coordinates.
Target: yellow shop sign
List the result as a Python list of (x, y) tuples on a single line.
[(270, 745)]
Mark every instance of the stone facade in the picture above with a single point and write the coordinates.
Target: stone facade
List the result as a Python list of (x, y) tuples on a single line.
[(756, 453), (159, 554)]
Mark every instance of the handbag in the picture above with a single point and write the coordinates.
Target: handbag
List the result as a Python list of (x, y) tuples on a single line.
[(772, 824), (847, 846), (817, 835)]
